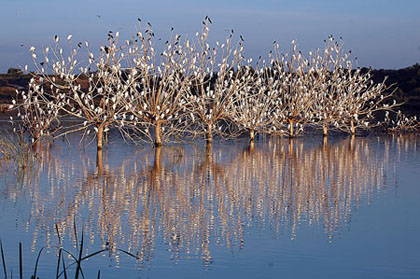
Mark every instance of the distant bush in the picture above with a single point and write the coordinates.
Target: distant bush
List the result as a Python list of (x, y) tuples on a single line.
[(14, 71)]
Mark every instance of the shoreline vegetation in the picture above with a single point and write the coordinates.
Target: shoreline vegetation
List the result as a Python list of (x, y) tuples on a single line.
[(193, 88), (68, 260)]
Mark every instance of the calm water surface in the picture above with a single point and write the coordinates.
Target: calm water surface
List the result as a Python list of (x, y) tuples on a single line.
[(348, 208)]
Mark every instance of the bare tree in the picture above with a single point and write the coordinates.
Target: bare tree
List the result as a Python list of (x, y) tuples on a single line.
[(361, 99), (96, 93), (291, 87), (37, 110), (217, 75), (328, 71), (157, 96), (254, 104), (401, 124)]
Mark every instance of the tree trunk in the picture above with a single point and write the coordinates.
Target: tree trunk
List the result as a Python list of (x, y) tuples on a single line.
[(155, 176), (291, 131), (352, 128), (100, 136), (352, 139), (209, 156), (209, 148), (156, 163), (325, 130), (36, 146), (251, 135), (209, 136), (158, 134), (99, 161), (251, 146), (36, 135), (291, 147), (36, 142)]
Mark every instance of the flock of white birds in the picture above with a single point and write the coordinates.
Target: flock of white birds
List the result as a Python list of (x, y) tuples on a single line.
[(192, 88)]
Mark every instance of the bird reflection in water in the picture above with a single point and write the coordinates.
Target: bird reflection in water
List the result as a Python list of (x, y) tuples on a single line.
[(195, 197)]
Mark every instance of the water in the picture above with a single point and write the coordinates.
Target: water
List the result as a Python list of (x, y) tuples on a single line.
[(347, 208)]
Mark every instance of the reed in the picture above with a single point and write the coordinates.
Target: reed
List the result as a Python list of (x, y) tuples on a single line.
[(62, 267), (15, 151), (3, 260)]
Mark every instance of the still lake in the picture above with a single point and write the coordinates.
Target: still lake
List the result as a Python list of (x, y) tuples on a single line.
[(301, 208)]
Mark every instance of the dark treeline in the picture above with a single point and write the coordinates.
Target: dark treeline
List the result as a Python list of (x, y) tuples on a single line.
[(407, 81)]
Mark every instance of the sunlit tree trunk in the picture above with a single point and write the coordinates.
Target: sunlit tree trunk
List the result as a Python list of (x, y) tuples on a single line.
[(325, 141), (158, 155), (99, 161), (352, 139), (352, 128), (100, 137), (209, 149), (158, 133), (324, 130), (251, 135), (291, 147), (209, 134), (251, 146), (291, 131)]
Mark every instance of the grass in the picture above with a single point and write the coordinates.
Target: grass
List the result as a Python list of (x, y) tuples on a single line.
[(13, 149), (62, 268)]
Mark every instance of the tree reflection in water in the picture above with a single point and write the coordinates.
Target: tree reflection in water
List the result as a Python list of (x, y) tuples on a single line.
[(189, 197)]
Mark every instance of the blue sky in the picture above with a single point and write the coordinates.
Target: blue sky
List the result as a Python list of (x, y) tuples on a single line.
[(381, 33)]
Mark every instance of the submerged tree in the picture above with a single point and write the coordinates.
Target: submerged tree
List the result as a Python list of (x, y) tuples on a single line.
[(344, 98), (254, 104), (157, 100), (291, 87), (328, 72), (96, 93), (401, 124), (362, 98), (37, 110), (217, 75)]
